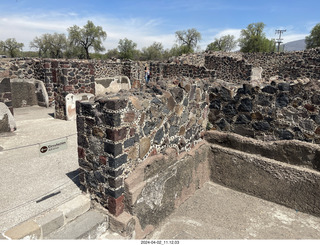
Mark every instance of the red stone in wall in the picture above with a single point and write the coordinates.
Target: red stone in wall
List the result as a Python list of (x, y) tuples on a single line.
[(116, 205)]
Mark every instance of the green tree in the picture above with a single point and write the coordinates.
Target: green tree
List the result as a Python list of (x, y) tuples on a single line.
[(90, 36), (153, 52), (225, 43), (127, 49), (113, 53), (39, 43), (253, 39), (313, 40), (188, 39), (11, 47), (50, 45)]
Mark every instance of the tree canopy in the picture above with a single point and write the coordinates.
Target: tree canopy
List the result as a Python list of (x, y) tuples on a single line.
[(313, 40), (90, 36), (225, 43), (153, 52), (11, 47), (188, 39), (253, 39), (127, 48), (50, 45)]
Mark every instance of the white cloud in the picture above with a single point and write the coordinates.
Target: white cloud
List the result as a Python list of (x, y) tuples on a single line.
[(26, 28)]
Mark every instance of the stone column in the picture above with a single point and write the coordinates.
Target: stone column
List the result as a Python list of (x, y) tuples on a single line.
[(100, 150)]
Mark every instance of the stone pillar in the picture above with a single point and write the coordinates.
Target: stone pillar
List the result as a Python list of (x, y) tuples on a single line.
[(100, 149)]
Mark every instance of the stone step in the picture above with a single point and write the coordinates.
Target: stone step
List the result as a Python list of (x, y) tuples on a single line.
[(89, 225), (44, 224)]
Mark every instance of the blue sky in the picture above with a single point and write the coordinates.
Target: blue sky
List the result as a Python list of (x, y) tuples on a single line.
[(145, 22)]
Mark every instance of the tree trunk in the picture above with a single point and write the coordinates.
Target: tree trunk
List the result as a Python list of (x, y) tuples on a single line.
[(87, 53)]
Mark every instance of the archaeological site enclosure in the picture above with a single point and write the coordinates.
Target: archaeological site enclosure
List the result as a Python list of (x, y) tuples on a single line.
[(250, 122)]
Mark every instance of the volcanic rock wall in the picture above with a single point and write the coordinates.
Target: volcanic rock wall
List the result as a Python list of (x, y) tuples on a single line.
[(289, 65), (279, 111), (115, 133)]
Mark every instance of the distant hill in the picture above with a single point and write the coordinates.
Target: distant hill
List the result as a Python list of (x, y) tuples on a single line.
[(295, 45)]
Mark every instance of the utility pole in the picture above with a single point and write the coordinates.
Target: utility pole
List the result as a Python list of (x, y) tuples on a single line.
[(279, 39)]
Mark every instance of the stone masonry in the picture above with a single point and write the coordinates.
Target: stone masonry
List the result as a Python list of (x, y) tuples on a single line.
[(278, 111), (115, 133)]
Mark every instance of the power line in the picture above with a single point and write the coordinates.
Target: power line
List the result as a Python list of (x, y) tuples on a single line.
[(279, 40)]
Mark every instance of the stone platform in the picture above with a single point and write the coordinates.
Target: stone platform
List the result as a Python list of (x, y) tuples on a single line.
[(30, 184), (217, 212)]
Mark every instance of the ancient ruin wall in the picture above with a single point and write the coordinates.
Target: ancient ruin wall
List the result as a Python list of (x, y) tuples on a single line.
[(229, 68), (116, 133), (279, 111), (6, 93), (288, 65), (69, 77), (161, 71)]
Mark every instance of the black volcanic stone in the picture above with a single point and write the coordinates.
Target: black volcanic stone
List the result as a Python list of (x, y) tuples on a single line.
[(245, 105), (285, 135), (261, 126), (264, 100), (315, 99), (158, 137), (148, 127), (225, 94), (230, 109), (222, 124), (315, 118), (112, 119), (113, 149), (243, 119), (284, 86), (282, 100), (269, 89), (215, 104), (86, 109)]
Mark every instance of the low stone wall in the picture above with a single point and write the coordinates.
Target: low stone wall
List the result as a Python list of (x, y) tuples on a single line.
[(279, 111), (159, 185), (23, 93), (118, 132), (293, 182)]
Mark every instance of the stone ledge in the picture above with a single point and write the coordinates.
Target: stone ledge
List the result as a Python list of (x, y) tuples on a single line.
[(293, 186), (29, 229), (44, 224)]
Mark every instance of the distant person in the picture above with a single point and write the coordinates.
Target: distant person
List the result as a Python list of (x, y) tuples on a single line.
[(146, 74)]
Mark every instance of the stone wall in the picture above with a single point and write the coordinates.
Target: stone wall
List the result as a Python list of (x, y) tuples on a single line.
[(288, 65), (279, 111), (133, 70), (6, 93), (118, 132), (229, 68), (284, 172), (160, 184), (161, 71), (69, 77)]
